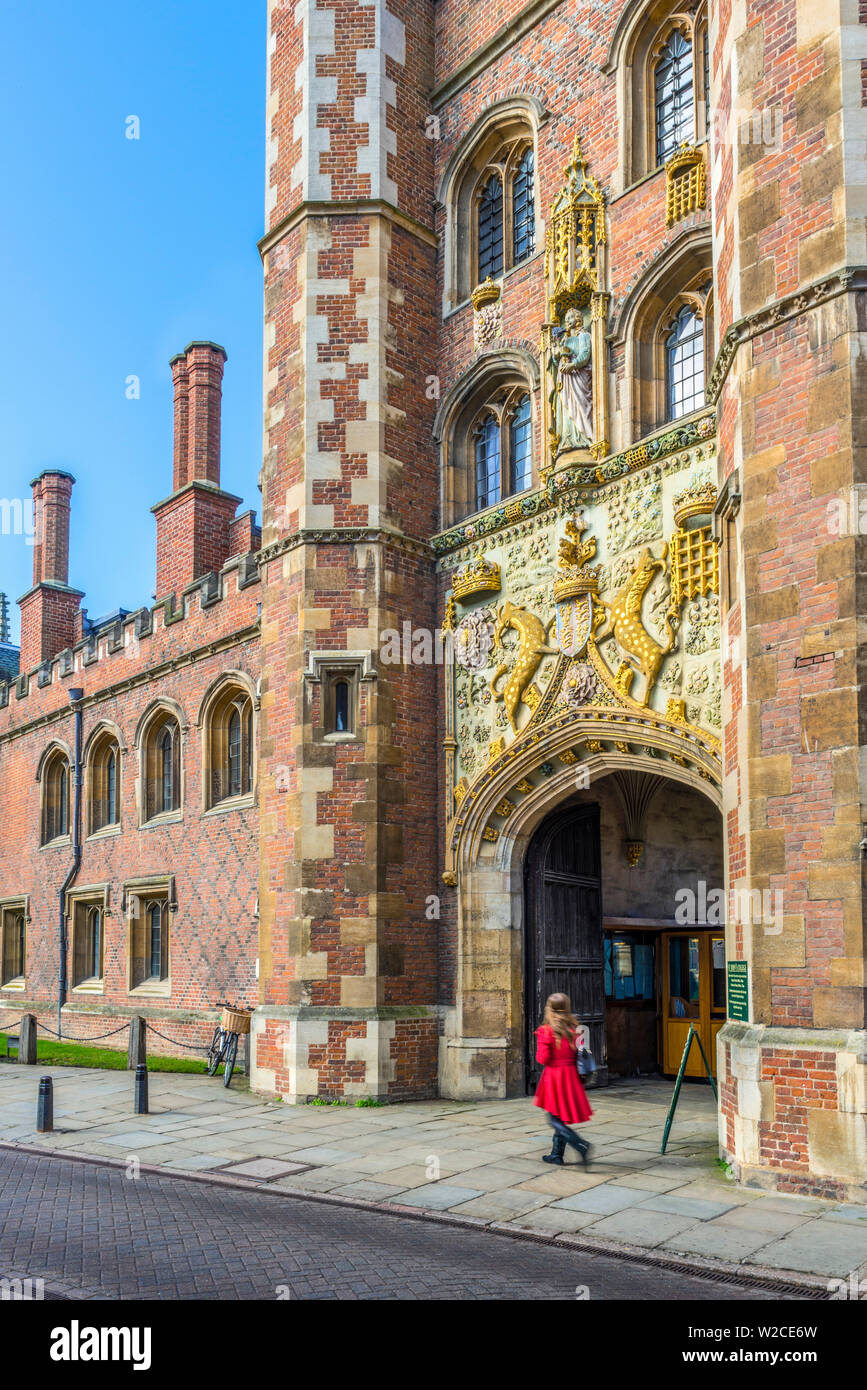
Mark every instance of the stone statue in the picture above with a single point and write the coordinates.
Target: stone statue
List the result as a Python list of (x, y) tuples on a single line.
[(572, 394)]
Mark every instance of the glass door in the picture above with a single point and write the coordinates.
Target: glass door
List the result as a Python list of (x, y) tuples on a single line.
[(694, 977)]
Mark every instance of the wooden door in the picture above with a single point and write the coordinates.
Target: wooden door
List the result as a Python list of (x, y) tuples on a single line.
[(563, 940), (693, 992)]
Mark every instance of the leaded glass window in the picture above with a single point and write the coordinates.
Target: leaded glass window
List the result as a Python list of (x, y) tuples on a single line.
[(684, 348), (523, 209), (491, 229), (521, 446), (487, 463), (675, 119)]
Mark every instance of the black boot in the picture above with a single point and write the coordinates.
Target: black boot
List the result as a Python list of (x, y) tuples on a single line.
[(556, 1154), (568, 1136)]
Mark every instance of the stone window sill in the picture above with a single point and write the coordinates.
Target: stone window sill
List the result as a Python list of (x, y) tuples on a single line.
[(105, 832), (166, 818), (18, 984), (152, 990), (231, 803)]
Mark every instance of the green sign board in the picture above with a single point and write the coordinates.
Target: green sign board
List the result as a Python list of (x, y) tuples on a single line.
[(739, 990)]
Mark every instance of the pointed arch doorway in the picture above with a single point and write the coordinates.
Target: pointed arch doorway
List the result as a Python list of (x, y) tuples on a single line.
[(564, 939)]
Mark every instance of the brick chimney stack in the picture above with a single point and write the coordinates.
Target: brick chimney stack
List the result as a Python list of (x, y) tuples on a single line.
[(49, 608), (193, 524)]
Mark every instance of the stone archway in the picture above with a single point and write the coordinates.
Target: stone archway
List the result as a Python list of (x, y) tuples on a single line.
[(482, 1050)]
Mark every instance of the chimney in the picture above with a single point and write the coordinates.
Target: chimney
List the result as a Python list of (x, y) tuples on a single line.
[(181, 378), (193, 524), (49, 608)]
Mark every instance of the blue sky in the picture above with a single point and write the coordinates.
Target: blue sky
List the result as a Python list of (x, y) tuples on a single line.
[(115, 253)]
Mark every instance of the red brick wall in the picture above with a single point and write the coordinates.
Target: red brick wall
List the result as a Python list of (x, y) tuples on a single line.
[(214, 858)]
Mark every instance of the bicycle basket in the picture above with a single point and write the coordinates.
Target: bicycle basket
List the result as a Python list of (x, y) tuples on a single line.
[(235, 1021)]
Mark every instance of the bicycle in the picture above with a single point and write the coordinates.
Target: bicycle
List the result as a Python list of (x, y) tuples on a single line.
[(224, 1044)]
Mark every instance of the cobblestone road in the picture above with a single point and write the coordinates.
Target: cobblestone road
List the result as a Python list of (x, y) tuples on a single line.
[(92, 1229)]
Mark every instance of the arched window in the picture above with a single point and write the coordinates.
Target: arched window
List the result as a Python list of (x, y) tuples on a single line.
[(103, 780), (162, 766), (684, 363), (505, 221), (674, 96), (487, 428), (166, 798), (503, 448), (229, 745), (662, 54), (490, 225), (55, 797)]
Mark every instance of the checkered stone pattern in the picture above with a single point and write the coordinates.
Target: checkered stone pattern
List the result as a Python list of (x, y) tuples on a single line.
[(348, 849)]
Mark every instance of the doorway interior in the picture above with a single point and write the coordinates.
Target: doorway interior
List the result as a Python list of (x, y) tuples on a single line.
[(637, 979)]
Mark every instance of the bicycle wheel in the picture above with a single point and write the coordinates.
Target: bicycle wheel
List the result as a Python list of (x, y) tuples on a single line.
[(230, 1052), (215, 1051)]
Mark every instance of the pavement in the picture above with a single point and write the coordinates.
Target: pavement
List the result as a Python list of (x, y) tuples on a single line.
[(477, 1164), (90, 1232)]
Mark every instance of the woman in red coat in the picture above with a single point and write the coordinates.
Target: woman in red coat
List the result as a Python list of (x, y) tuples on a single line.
[(560, 1091)]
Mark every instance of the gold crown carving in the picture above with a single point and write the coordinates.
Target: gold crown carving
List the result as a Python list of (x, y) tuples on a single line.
[(575, 573), (485, 293), (478, 577), (699, 499)]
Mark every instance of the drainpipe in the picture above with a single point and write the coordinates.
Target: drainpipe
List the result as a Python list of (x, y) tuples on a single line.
[(75, 698)]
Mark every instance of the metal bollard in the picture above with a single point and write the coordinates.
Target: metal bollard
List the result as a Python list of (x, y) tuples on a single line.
[(45, 1106), (141, 1089)]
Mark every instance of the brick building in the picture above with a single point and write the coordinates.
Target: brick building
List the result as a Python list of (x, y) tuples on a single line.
[(546, 672)]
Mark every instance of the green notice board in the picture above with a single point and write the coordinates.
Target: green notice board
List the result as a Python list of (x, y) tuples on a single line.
[(739, 990)]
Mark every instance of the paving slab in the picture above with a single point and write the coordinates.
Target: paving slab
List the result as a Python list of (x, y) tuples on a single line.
[(675, 1205), (721, 1242), (502, 1205), (640, 1227), (604, 1200), (264, 1168), (818, 1248), (439, 1196), (555, 1220)]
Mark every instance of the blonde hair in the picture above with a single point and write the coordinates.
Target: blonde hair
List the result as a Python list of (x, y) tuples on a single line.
[(559, 1016)]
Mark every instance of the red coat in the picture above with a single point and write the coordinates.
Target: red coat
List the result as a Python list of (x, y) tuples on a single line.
[(560, 1091)]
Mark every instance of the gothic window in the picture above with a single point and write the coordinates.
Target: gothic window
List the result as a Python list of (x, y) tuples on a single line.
[(684, 364), (490, 223), (229, 745), (13, 924), (503, 449), (491, 206), (666, 337), (55, 797), (663, 56), (162, 766), (674, 98), (103, 784), (88, 923)]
